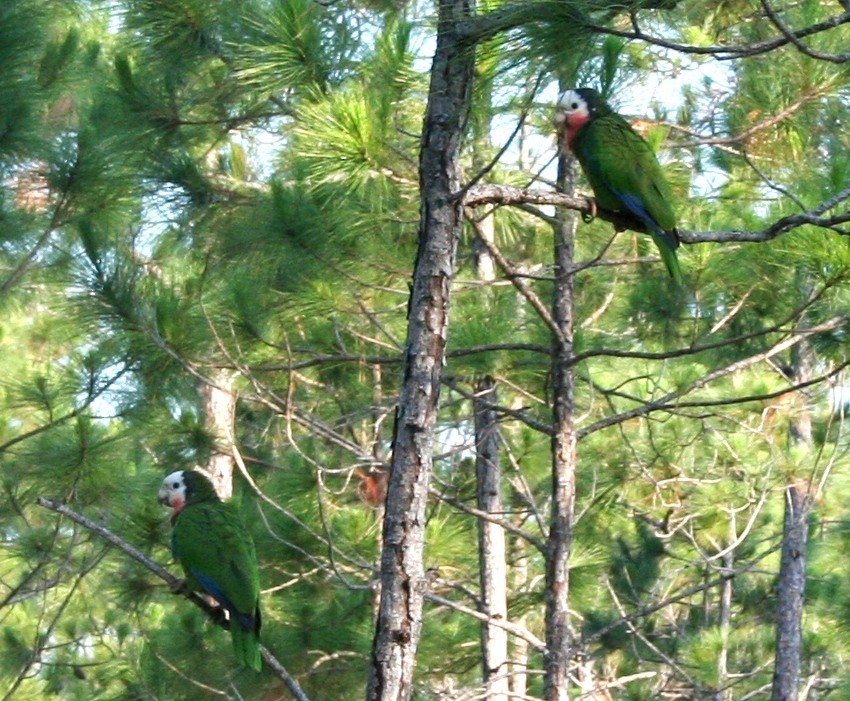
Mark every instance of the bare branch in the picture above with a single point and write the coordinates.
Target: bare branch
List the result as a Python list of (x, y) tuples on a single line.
[(673, 399), (698, 139), (515, 196), (793, 38), (485, 516), (682, 595), (728, 53), (512, 628), (519, 283)]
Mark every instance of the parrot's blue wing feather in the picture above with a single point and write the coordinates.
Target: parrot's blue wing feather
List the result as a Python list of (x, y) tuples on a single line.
[(635, 205), (212, 588), (245, 620)]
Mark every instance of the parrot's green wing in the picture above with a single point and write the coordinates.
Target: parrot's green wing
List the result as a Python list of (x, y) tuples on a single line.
[(217, 554), (626, 176)]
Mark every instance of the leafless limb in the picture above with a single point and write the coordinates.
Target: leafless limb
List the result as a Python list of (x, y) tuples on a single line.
[(44, 628), (541, 309), (673, 399), (490, 194), (728, 53), (518, 414), (633, 630), (485, 516), (742, 137), (794, 38), (683, 595), (512, 628)]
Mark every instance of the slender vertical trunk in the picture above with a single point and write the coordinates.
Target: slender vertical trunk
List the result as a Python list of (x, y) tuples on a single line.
[(218, 405), (790, 594), (378, 454), (491, 544), (519, 585), (399, 620), (557, 658), (725, 622), (791, 584), (519, 647)]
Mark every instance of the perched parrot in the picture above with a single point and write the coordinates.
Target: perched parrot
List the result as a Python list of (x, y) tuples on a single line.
[(620, 167), (217, 554)]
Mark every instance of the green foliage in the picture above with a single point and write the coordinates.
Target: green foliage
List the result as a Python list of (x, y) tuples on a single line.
[(197, 190), (292, 46)]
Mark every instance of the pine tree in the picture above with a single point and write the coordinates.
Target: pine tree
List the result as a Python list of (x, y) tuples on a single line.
[(230, 195)]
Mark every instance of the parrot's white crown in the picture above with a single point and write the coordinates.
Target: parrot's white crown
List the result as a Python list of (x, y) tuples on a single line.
[(571, 101)]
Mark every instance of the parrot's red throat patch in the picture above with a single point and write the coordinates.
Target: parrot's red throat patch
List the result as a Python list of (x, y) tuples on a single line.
[(176, 507), (574, 124)]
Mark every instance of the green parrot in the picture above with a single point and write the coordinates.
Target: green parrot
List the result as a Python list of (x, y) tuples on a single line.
[(620, 167), (217, 554)]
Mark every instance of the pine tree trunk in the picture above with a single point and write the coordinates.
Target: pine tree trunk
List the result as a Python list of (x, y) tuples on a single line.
[(724, 692), (790, 594), (491, 544), (402, 577), (791, 585), (557, 658), (218, 405), (519, 573), (519, 647)]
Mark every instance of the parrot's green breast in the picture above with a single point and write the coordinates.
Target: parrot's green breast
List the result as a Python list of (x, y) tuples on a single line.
[(619, 163)]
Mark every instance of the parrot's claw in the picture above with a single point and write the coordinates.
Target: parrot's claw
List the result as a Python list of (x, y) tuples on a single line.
[(588, 217), (179, 587), (218, 615)]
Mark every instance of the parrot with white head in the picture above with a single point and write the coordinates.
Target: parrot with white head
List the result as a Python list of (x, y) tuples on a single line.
[(217, 555), (620, 167)]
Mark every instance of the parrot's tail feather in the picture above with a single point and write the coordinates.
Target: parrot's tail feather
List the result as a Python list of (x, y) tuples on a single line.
[(246, 646), (668, 253), (672, 238)]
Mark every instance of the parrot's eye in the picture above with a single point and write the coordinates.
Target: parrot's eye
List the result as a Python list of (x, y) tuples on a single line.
[(574, 106), (176, 485)]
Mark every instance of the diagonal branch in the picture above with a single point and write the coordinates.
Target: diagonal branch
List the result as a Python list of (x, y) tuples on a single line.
[(519, 631), (517, 281), (794, 39), (673, 399), (172, 581), (727, 53)]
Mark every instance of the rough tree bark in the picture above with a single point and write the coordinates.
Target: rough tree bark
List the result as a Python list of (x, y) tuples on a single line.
[(791, 584), (402, 578), (557, 658), (790, 594), (491, 543)]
